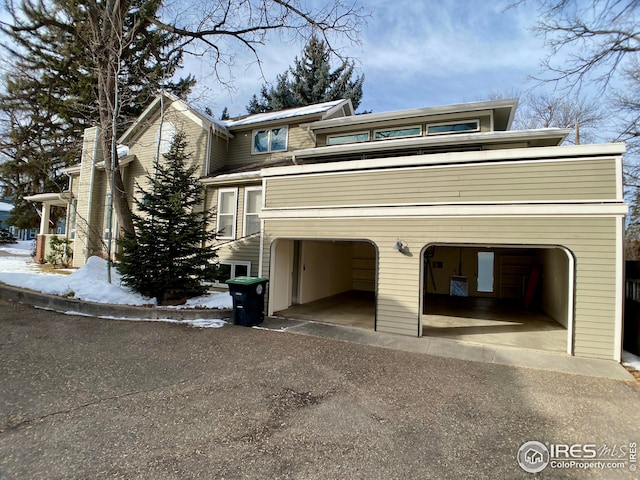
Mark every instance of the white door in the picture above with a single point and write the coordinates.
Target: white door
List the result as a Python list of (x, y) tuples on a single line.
[(485, 272)]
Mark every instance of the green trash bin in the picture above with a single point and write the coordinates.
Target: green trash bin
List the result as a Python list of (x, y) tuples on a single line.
[(248, 299)]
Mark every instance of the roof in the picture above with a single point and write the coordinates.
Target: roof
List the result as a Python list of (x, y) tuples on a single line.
[(322, 110), (197, 115), (503, 111)]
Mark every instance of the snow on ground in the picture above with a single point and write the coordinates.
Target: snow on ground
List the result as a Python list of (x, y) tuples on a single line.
[(88, 283), (631, 360)]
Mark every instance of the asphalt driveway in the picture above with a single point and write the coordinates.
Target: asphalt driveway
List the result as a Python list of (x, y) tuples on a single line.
[(84, 398)]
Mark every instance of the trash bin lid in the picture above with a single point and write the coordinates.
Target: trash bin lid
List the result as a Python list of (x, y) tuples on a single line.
[(247, 280)]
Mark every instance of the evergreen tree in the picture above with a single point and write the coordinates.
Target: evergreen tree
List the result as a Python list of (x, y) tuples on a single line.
[(310, 81), (225, 114), (50, 91), (169, 256)]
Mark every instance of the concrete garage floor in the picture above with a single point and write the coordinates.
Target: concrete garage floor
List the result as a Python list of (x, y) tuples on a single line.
[(354, 309), (476, 320), (490, 321)]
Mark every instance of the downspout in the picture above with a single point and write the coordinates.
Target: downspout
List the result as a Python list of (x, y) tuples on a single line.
[(69, 207), (261, 253)]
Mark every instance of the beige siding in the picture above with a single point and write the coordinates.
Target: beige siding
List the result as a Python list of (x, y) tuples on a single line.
[(247, 250), (239, 249), (218, 153), (591, 240), (530, 181), (144, 147), (240, 146), (89, 213)]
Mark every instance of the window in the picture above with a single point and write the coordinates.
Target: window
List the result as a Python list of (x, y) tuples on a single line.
[(252, 207), (270, 140), (227, 203), (453, 127), (348, 138), (165, 136), (414, 131), (226, 270)]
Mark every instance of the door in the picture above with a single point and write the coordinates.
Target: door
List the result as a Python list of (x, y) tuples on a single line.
[(485, 272)]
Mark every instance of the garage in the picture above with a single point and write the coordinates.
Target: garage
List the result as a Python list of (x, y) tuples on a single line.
[(324, 280), (519, 296)]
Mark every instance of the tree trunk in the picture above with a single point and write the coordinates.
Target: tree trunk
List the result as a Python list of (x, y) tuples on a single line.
[(108, 37)]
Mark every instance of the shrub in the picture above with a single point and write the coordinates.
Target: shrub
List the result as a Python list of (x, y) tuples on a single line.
[(60, 254)]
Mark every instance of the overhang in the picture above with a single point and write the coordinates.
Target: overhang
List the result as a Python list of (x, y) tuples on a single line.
[(51, 198), (545, 137), (503, 113), (454, 158)]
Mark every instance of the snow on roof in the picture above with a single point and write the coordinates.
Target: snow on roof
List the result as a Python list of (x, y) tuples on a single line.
[(317, 108), (5, 207)]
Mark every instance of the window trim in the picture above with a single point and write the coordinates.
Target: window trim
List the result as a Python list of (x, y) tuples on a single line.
[(235, 213), (453, 122), (246, 212), (270, 130), (233, 264), (408, 127), (349, 134)]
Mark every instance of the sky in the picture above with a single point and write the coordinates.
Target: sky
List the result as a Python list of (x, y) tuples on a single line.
[(413, 54)]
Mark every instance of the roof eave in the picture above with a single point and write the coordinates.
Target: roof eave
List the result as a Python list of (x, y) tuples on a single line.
[(416, 112), (556, 134)]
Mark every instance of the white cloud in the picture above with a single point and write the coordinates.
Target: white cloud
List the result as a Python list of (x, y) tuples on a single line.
[(412, 54)]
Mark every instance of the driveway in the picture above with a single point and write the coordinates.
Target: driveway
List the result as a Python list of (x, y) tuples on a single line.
[(84, 398)]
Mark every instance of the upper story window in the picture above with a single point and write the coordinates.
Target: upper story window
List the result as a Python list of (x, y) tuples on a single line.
[(269, 140), (413, 131), (348, 138), (252, 207), (165, 136), (453, 127), (227, 207)]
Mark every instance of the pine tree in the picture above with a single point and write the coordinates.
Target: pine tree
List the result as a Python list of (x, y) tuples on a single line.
[(169, 257), (50, 93), (310, 81)]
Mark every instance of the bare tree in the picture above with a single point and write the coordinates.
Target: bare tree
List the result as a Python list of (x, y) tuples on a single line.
[(207, 28), (546, 110), (589, 41)]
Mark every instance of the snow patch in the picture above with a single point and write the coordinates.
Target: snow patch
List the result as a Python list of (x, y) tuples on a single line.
[(89, 283), (631, 360)]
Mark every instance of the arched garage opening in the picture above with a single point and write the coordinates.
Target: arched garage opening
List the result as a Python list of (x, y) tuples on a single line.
[(324, 280), (499, 294)]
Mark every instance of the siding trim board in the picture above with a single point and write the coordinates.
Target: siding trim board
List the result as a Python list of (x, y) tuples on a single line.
[(619, 289), (515, 155), (550, 209)]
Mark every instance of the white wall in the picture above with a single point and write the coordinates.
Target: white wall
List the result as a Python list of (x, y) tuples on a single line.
[(555, 284), (326, 269)]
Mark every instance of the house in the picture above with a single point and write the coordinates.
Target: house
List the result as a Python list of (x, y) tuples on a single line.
[(432, 221), (5, 211)]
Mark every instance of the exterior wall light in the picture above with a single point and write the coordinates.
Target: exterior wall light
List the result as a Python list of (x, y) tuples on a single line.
[(400, 246)]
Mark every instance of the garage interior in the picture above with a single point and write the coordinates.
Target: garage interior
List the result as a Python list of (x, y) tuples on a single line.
[(519, 297), (325, 281)]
